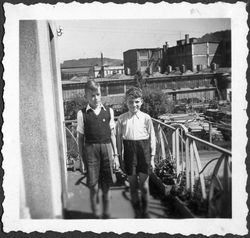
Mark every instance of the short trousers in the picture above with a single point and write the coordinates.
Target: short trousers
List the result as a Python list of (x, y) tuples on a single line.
[(99, 163), (136, 156)]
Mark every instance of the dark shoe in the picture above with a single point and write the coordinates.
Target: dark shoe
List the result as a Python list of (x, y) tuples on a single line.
[(137, 210), (106, 216), (145, 215), (96, 216), (137, 214)]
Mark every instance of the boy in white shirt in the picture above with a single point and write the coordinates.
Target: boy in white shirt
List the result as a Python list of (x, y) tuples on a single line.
[(135, 133)]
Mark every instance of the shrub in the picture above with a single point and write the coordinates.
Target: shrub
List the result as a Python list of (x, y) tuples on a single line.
[(156, 102), (73, 106)]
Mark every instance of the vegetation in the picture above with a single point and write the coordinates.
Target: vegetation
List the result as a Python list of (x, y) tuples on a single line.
[(156, 102), (216, 36), (91, 62), (73, 106)]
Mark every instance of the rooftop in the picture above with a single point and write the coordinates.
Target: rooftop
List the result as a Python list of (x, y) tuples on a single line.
[(157, 48), (154, 76)]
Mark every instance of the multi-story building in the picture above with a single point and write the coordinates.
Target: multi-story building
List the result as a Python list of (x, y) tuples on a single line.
[(108, 70), (225, 46), (143, 60), (68, 73), (189, 54), (202, 86)]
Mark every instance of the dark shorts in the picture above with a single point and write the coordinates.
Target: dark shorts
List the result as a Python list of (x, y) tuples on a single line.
[(99, 164), (136, 156)]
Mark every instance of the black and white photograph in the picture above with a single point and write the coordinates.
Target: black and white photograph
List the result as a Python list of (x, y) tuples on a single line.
[(125, 118)]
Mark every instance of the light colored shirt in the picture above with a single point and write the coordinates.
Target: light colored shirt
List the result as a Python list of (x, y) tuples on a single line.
[(80, 123), (137, 126)]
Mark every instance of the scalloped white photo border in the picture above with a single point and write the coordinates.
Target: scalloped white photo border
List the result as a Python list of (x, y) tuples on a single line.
[(11, 148)]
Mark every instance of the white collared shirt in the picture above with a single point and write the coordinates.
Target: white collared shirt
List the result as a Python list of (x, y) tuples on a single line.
[(97, 110), (138, 126)]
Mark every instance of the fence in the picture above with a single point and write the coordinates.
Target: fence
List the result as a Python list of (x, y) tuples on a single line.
[(175, 143)]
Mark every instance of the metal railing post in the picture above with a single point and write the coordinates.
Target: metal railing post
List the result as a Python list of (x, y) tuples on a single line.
[(177, 148), (191, 167), (182, 153), (198, 162), (173, 146), (163, 152), (187, 164)]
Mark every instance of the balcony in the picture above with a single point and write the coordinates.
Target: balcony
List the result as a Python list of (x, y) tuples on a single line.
[(201, 178)]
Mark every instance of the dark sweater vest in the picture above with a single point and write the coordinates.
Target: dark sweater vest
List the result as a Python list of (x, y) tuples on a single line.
[(96, 127)]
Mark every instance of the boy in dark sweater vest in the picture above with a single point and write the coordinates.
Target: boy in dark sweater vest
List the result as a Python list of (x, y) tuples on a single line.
[(97, 147), (135, 133)]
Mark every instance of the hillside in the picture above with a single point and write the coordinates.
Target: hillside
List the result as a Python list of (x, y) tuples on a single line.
[(216, 36), (92, 62)]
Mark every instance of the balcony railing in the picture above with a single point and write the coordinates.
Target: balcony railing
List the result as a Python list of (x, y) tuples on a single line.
[(175, 143), (211, 168)]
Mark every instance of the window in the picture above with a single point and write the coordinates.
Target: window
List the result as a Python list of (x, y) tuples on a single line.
[(115, 89), (144, 63), (103, 90), (143, 53)]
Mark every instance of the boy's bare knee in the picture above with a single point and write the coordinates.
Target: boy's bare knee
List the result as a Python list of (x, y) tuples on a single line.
[(94, 189), (105, 188)]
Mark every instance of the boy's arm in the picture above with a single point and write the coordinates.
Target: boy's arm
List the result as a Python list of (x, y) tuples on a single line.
[(115, 153), (152, 142), (81, 138), (119, 141), (113, 139), (81, 142)]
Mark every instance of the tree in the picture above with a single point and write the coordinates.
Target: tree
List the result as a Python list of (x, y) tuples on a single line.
[(156, 102), (73, 106)]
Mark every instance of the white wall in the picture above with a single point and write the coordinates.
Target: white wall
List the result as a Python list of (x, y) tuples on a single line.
[(41, 122)]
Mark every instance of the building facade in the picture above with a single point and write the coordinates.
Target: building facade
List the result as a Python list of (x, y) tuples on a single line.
[(68, 73), (108, 70), (145, 60), (202, 86), (189, 54)]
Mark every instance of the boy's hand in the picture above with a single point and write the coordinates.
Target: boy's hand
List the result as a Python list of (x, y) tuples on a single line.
[(152, 162), (116, 162)]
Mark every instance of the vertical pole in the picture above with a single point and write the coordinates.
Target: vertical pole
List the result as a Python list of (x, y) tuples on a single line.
[(177, 146), (226, 208), (173, 145), (192, 167), (182, 153), (163, 152), (198, 162), (187, 164), (210, 132)]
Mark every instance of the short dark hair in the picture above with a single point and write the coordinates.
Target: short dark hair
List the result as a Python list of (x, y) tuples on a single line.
[(134, 92), (92, 85)]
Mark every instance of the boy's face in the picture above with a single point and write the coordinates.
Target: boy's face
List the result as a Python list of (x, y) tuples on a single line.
[(134, 104), (93, 97)]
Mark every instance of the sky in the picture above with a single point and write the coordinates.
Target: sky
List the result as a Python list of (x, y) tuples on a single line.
[(88, 38)]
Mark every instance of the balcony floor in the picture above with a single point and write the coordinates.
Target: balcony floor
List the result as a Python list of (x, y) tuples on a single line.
[(78, 204)]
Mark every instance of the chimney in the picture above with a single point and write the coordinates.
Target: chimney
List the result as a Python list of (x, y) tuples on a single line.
[(128, 71), (187, 38), (169, 69), (183, 68), (165, 47), (102, 67), (199, 67), (213, 66)]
